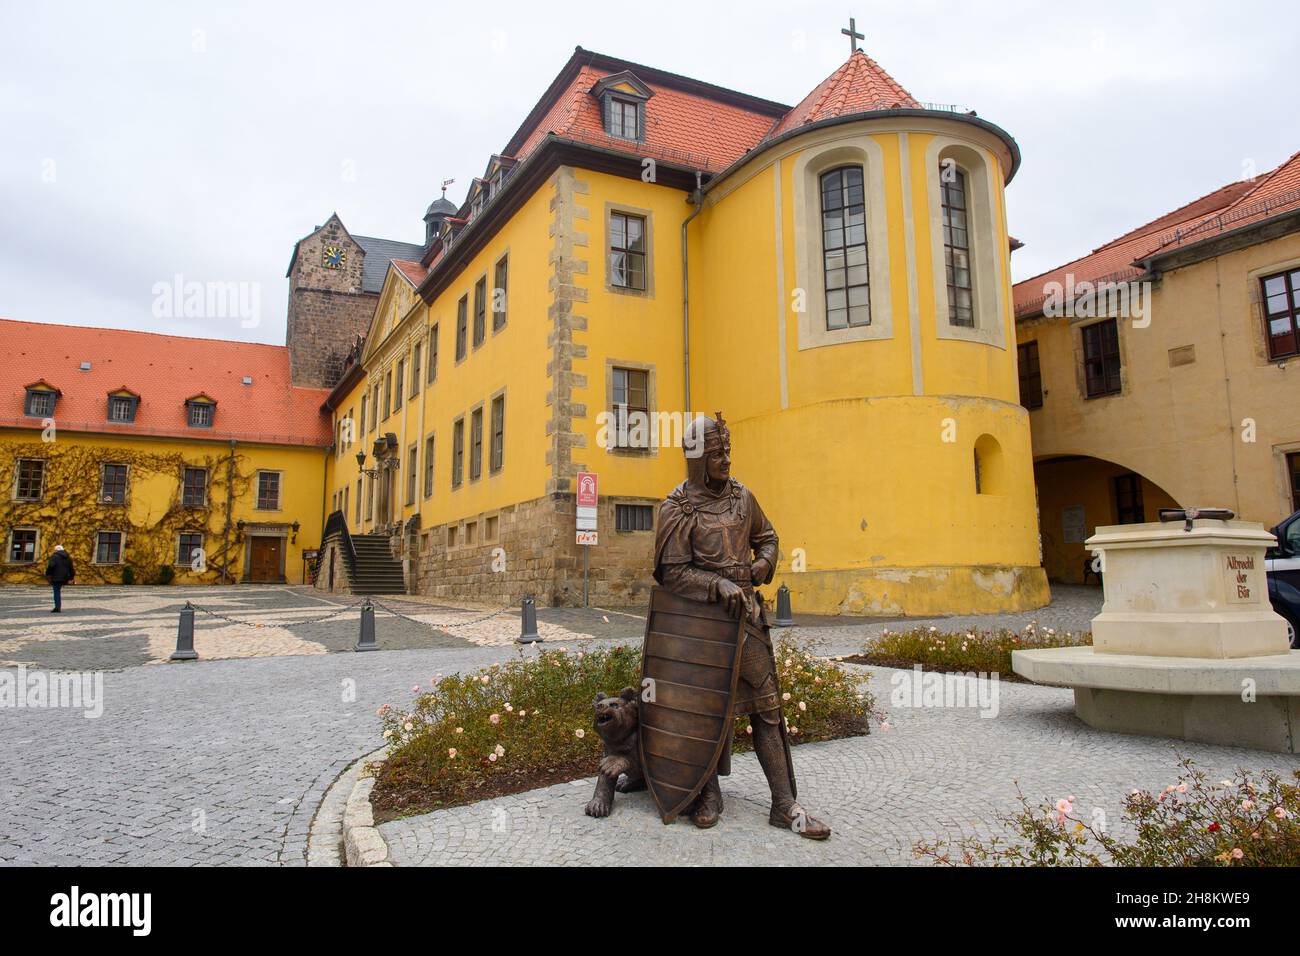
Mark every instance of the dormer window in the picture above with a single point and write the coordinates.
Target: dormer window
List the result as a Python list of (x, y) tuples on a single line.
[(622, 104), (41, 399), (122, 406), (200, 412)]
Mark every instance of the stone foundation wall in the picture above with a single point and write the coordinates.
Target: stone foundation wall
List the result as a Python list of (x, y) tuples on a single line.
[(322, 327), (332, 557), (532, 551)]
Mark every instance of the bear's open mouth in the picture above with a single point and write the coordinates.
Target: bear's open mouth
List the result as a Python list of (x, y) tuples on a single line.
[(604, 717)]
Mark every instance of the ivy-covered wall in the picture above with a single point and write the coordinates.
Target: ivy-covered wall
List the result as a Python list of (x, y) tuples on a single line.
[(71, 513)]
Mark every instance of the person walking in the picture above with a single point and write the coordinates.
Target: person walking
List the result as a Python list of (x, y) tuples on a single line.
[(59, 571)]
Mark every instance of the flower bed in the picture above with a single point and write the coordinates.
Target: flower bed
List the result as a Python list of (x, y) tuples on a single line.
[(982, 651), (1192, 822), (528, 723)]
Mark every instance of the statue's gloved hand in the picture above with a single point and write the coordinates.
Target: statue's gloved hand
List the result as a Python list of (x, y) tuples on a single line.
[(731, 596)]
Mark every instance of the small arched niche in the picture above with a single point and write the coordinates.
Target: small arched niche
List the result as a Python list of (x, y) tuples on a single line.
[(990, 467)]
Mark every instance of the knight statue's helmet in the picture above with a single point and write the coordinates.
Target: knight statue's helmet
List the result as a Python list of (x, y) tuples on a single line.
[(701, 436)]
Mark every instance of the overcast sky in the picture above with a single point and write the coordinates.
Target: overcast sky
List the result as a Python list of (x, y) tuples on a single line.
[(144, 140)]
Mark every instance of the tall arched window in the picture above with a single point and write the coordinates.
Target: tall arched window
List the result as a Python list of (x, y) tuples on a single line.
[(956, 244), (844, 245)]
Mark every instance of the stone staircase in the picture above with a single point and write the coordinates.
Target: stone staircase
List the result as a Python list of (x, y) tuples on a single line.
[(376, 571)]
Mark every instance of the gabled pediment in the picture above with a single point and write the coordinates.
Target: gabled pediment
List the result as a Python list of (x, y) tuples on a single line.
[(624, 83)]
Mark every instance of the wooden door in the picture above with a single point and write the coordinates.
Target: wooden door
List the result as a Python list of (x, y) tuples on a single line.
[(264, 560)]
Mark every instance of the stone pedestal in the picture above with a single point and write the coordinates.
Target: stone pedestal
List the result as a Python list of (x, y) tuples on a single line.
[(1187, 644), (1178, 593)]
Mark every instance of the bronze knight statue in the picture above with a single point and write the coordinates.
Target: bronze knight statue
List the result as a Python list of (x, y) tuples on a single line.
[(708, 652)]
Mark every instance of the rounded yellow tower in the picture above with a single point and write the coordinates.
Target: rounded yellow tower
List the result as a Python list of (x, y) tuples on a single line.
[(851, 316)]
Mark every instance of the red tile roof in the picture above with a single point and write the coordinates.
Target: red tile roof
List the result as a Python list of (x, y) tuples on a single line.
[(687, 122), (164, 370), (859, 86), (413, 271), (1115, 260)]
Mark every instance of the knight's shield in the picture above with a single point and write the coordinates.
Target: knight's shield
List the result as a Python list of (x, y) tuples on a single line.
[(689, 669)]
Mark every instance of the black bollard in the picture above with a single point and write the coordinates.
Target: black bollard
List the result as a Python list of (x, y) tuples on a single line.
[(528, 631), (367, 641), (783, 616), (185, 636)]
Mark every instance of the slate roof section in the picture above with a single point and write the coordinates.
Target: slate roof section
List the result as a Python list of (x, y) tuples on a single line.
[(379, 252), (164, 370)]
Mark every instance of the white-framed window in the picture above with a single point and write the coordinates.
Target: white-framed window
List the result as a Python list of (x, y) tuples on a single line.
[(841, 242), (29, 479), (23, 546), (967, 243), (109, 546)]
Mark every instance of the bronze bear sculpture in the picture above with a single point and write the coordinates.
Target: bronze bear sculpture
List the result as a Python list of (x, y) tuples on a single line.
[(617, 720)]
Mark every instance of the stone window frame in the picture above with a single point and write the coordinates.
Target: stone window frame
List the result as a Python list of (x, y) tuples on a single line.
[(849, 149), (177, 550), (475, 410), (458, 452), (375, 385), (1081, 364), (399, 383), (499, 394), (647, 215), (431, 372), (388, 394), (1259, 310), (18, 465), (430, 459), (982, 221), (502, 263), (360, 497), (652, 404), (9, 546), (411, 494), (491, 527), (417, 350), (462, 326), (365, 397), (121, 548), (103, 500), (279, 489), (1281, 453), (479, 331)]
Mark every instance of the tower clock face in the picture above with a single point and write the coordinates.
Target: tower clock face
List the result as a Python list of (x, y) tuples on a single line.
[(334, 257)]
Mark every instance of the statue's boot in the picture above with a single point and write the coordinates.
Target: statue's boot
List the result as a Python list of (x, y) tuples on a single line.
[(796, 818), (775, 761), (708, 806)]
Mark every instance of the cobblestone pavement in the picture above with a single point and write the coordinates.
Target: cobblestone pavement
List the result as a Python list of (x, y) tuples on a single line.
[(105, 628), (211, 762), (938, 773)]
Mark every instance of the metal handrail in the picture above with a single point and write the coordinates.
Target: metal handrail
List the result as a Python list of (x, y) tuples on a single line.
[(337, 523)]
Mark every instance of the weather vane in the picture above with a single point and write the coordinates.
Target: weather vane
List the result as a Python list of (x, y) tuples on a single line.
[(445, 184), (853, 35)]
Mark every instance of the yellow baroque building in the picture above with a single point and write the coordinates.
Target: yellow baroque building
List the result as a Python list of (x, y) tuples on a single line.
[(834, 277), (157, 458)]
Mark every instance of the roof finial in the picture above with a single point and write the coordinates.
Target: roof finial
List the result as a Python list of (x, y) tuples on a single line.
[(853, 35), (445, 184)]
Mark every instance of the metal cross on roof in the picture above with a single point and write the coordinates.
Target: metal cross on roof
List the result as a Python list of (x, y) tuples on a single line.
[(853, 35)]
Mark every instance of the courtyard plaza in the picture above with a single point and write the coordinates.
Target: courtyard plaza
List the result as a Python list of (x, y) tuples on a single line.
[(227, 761)]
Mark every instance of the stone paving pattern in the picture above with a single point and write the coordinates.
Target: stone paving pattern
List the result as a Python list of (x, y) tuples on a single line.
[(938, 773), (226, 761)]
